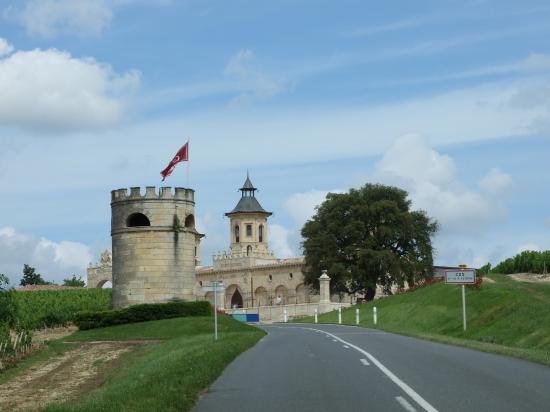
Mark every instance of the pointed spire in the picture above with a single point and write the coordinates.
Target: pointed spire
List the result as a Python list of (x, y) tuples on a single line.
[(248, 186), (248, 202)]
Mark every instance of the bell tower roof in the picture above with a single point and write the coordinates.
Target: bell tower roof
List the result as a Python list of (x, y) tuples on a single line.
[(248, 202)]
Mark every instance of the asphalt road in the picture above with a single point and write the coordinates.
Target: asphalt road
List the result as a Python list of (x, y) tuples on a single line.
[(341, 368)]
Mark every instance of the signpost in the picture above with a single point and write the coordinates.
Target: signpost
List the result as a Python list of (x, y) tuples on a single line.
[(215, 286), (462, 277)]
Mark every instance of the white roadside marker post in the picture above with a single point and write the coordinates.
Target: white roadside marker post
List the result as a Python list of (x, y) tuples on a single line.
[(357, 316), (464, 307), (316, 317), (285, 316), (215, 310), (339, 316), (374, 315)]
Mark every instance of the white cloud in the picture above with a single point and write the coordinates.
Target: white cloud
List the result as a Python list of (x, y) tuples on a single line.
[(301, 206), (433, 185), (54, 260), (495, 181), (50, 89), (279, 241), (49, 18), (5, 47), (254, 83)]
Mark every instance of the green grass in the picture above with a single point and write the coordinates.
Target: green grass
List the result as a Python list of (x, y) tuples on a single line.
[(507, 317), (166, 376)]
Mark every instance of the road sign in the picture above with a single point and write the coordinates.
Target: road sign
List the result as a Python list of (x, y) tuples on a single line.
[(213, 287), (460, 277)]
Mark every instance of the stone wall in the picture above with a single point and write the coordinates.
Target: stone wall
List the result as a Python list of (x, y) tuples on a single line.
[(100, 273)]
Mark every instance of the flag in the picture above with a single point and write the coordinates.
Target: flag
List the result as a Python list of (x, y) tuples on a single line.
[(181, 156)]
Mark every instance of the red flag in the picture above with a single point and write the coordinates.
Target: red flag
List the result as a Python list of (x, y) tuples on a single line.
[(181, 156)]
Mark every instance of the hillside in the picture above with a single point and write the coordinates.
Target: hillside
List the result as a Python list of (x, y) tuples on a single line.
[(504, 316)]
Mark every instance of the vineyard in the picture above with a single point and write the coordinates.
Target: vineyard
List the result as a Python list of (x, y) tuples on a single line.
[(22, 312)]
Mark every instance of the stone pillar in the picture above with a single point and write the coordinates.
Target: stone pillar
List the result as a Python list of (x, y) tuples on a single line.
[(324, 288)]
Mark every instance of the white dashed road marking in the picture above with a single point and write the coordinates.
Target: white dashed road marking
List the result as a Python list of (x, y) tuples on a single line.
[(403, 402), (365, 362), (406, 388), (345, 347)]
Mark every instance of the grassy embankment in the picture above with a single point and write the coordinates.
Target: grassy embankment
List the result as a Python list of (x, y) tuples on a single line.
[(506, 317), (165, 376)]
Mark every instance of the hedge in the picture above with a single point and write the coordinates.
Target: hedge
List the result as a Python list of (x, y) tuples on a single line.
[(141, 313)]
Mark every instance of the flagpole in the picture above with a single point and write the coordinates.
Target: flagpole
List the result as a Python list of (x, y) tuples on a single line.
[(188, 161)]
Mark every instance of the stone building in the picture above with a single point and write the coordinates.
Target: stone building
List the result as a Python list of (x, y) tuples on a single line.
[(253, 276)]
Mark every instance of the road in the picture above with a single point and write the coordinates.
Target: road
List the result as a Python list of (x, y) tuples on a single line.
[(299, 367)]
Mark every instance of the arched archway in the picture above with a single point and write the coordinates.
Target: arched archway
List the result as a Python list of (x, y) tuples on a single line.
[(233, 296), (248, 250), (260, 296), (281, 294), (105, 284)]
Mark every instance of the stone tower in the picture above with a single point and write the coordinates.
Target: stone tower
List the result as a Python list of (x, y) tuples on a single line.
[(249, 231), (155, 245)]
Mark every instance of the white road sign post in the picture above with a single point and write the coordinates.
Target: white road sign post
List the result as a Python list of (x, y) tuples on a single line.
[(214, 287), (462, 277)]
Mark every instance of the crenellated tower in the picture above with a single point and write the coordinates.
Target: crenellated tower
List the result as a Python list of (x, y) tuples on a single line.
[(155, 245)]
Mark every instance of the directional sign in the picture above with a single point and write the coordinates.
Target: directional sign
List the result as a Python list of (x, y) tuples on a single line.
[(214, 286), (460, 277)]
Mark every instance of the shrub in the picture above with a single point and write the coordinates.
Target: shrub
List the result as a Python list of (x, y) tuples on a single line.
[(141, 313)]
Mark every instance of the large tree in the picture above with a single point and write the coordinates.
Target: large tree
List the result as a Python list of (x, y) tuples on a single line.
[(367, 237), (31, 277)]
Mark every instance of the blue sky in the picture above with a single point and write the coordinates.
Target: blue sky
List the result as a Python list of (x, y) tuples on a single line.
[(447, 99)]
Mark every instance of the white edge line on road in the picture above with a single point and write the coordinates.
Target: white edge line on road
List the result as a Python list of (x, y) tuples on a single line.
[(406, 388), (365, 362), (408, 407)]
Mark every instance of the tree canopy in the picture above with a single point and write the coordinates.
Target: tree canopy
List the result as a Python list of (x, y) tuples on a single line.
[(31, 277), (367, 237), (74, 281), (528, 261)]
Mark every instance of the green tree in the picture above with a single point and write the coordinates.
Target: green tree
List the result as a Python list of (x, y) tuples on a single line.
[(8, 309), (30, 277), (4, 282), (484, 270), (368, 237), (74, 282)]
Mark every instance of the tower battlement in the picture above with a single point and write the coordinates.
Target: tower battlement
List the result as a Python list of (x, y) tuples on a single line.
[(165, 192)]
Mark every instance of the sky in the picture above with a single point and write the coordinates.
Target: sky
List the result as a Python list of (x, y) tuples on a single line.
[(447, 99)]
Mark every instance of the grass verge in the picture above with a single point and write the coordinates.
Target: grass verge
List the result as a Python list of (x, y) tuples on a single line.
[(506, 317), (165, 376)]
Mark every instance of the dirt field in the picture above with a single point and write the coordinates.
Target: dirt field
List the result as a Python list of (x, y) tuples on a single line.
[(63, 378), (531, 277)]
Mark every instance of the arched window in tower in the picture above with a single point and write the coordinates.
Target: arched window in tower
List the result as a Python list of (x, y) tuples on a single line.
[(190, 222), (261, 233), (137, 219), (248, 250), (237, 234)]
